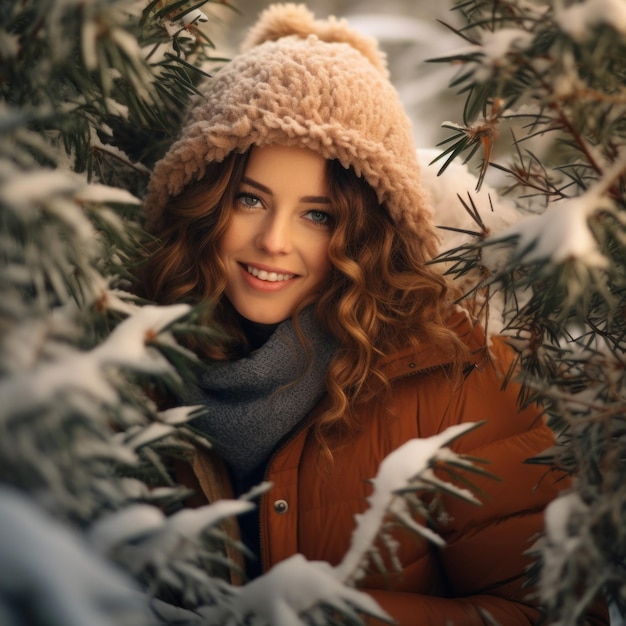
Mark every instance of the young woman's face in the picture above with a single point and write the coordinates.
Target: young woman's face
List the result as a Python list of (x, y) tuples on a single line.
[(275, 249)]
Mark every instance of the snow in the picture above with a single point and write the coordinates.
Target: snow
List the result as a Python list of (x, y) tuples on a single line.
[(580, 19), (396, 472), (113, 299), (193, 17), (43, 384), (61, 577), (159, 543), (22, 347), (176, 28), (557, 516), (497, 44), (117, 108), (127, 346), (445, 191), (34, 187), (60, 193), (124, 526), (90, 449), (562, 232), (191, 522), (128, 43), (141, 435), (89, 39), (149, 434), (109, 16), (559, 234), (291, 588), (103, 194), (295, 587), (493, 48), (178, 415), (559, 542)]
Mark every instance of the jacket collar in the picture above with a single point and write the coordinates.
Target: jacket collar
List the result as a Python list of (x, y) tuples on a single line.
[(429, 355)]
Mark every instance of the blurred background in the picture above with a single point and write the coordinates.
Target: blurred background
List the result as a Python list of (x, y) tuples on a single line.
[(408, 31)]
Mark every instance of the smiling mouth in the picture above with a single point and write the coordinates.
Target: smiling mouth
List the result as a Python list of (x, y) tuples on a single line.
[(270, 277)]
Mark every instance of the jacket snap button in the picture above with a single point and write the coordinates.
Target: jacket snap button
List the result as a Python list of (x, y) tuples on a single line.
[(281, 506)]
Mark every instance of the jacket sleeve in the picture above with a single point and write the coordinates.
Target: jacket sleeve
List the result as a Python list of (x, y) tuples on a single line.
[(409, 609), (484, 559)]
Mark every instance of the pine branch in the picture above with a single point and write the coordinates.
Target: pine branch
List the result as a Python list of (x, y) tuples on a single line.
[(560, 272)]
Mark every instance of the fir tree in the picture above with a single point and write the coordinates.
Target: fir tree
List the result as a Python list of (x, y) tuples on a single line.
[(94, 530), (91, 93), (544, 88)]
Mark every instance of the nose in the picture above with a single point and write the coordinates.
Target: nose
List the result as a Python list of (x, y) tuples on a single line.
[(275, 235)]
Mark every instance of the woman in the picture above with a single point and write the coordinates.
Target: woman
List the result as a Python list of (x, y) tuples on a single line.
[(292, 203)]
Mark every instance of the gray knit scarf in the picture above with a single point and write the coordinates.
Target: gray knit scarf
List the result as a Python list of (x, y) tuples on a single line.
[(248, 410)]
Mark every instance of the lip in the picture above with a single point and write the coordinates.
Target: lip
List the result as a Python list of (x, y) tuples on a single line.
[(265, 285), (267, 268)]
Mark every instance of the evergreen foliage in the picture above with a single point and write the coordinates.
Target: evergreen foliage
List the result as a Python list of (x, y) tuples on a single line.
[(91, 93), (544, 88), (94, 530)]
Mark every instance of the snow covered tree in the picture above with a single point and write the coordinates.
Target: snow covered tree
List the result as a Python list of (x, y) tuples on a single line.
[(93, 529), (545, 116), (90, 94)]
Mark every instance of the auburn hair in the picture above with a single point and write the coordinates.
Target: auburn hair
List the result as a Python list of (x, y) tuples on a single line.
[(381, 294)]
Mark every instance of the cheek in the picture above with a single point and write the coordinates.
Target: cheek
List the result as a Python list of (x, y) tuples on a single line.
[(221, 250), (228, 242), (321, 260)]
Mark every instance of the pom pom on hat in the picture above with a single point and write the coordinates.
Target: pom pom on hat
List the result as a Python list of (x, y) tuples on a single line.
[(302, 82), (284, 20)]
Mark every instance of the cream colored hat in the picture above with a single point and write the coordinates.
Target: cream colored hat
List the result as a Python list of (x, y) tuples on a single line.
[(310, 83)]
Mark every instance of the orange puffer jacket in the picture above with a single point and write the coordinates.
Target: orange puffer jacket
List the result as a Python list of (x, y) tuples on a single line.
[(311, 508)]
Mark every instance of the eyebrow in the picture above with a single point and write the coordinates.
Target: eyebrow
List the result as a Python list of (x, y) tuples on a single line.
[(268, 191)]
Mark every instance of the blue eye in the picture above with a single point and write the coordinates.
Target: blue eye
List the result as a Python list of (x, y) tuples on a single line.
[(319, 217), (249, 200)]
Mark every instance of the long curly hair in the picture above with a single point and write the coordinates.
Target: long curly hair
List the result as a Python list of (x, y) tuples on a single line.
[(381, 294)]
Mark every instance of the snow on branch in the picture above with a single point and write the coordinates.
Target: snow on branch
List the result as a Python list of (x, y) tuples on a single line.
[(292, 588), (129, 345), (569, 556), (143, 535), (58, 573), (38, 188), (580, 19), (562, 232), (296, 592), (408, 467)]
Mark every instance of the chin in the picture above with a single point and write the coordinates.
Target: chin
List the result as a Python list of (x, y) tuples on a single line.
[(262, 317)]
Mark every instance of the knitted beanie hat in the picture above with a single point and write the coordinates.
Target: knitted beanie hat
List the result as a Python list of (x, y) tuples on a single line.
[(310, 83)]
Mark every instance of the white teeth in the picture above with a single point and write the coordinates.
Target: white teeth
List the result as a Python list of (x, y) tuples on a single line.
[(271, 277)]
